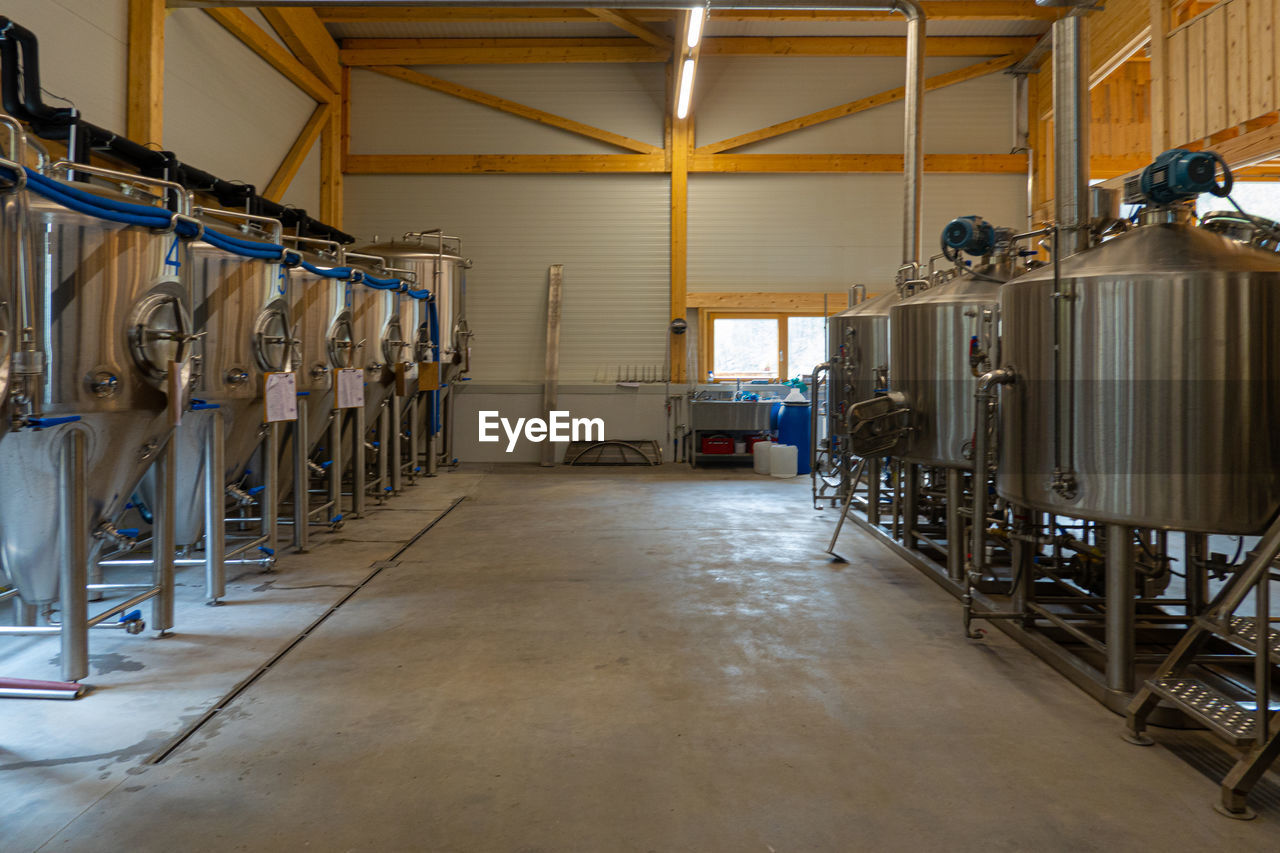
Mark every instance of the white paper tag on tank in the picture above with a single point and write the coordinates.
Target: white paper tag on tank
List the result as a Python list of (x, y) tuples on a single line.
[(349, 390), (281, 397)]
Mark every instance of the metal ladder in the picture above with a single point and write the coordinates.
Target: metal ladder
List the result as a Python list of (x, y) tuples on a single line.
[(1255, 729)]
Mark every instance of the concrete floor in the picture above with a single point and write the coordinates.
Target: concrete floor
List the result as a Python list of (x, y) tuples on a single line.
[(598, 660)]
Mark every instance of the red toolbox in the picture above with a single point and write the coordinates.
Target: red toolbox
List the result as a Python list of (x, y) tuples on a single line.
[(717, 444)]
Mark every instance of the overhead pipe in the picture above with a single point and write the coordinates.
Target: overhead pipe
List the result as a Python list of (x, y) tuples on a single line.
[(1071, 134)]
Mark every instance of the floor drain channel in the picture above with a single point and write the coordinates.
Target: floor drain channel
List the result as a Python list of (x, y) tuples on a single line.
[(169, 748)]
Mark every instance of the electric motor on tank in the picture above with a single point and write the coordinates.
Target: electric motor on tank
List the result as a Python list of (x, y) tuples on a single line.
[(1142, 378)]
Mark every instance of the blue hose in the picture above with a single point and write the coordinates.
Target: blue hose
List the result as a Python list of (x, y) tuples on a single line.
[(127, 213), (346, 273)]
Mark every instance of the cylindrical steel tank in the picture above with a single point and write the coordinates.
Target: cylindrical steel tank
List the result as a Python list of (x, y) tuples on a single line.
[(378, 331), (858, 351), (1253, 231), (110, 317), (929, 340), (440, 267), (241, 306), (1160, 410), (321, 308)]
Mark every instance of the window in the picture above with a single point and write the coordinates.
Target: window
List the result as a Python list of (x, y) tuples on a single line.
[(771, 346)]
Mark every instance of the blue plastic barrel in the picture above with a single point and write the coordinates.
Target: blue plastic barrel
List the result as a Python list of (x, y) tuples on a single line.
[(793, 428)]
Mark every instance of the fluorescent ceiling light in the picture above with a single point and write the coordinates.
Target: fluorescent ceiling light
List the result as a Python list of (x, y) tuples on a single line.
[(696, 17), (686, 89)]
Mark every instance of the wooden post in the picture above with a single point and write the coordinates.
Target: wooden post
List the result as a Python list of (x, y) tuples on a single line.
[(144, 121), (331, 138)]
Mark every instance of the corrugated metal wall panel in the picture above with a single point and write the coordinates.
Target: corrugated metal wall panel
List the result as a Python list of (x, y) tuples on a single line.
[(825, 232), (739, 94), (394, 117), (84, 53), (610, 232), (226, 110)]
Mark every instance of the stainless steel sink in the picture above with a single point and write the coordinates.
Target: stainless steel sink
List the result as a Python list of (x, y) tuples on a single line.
[(731, 415)]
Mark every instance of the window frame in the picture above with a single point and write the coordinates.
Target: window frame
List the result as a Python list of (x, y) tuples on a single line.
[(707, 332)]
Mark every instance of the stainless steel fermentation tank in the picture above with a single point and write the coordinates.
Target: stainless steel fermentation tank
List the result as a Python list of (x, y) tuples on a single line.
[(1160, 409), (378, 313), (931, 337), (111, 317), (106, 324), (320, 299), (241, 312), (440, 267)]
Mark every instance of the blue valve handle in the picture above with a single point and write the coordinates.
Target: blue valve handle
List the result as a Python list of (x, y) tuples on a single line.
[(201, 405), (130, 532), (131, 616), (253, 490), (270, 552), (304, 393), (45, 423)]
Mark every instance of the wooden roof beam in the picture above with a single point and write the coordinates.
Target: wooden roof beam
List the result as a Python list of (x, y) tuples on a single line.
[(633, 25), (256, 39), (939, 10), (496, 51), (489, 51), (513, 108), (305, 35), (939, 81)]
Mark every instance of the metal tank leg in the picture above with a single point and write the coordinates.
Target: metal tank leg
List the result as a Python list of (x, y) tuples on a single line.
[(73, 574), (215, 570), (335, 461), (358, 465), (24, 614), (1197, 592), (415, 435), (1120, 609), (910, 504), (875, 467), (301, 481), (394, 463), (163, 537), (388, 447), (955, 524), (271, 494), (433, 454)]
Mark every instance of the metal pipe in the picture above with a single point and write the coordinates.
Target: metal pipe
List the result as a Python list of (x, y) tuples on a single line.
[(984, 396), (164, 537), (215, 573), (1071, 133), (74, 571), (1120, 609), (913, 132)]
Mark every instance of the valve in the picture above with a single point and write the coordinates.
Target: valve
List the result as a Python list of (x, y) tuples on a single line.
[(123, 537), (240, 496)]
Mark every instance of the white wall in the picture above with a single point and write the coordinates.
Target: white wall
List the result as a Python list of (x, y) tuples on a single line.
[(84, 53), (226, 111), (746, 232)]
